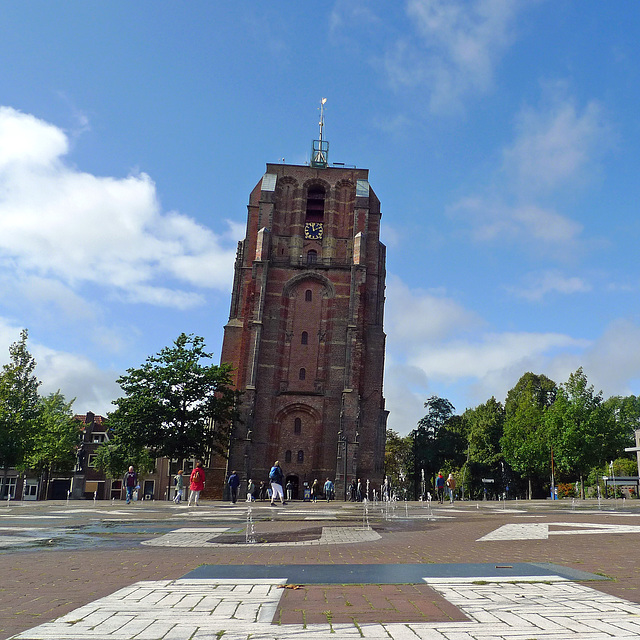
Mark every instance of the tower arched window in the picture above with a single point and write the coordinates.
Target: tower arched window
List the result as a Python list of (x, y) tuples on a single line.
[(312, 256), (301, 456), (315, 204), (287, 456), (297, 425), (308, 295), (304, 338), (303, 374)]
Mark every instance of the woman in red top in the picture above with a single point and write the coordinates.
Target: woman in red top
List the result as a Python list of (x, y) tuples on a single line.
[(197, 483)]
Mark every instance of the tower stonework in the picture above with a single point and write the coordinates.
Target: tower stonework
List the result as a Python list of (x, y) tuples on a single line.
[(305, 333)]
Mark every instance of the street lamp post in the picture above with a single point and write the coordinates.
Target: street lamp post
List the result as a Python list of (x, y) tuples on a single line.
[(343, 442)]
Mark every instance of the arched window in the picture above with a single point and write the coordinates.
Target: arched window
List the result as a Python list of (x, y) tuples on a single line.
[(304, 338), (308, 295), (303, 374), (315, 204), (312, 256), (297, 425), (301, 456), (287, 456)]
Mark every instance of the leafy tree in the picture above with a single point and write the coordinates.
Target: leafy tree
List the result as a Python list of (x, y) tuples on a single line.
[(115, 457), (175, 404), (583, 428), (626, 411), (436, 438), (439, 411), (398, 457), (19, 405), (485, 426), (525, 442), (56, 437)]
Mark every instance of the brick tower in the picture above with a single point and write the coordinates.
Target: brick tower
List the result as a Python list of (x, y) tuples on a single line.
[(305, 332)]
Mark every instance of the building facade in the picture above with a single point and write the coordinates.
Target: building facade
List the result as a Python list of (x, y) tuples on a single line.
[(305, 333)]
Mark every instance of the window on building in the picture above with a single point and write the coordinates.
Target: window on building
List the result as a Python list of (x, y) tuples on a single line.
[(300, 456), (8, 488), (315, 204), (304, 338), (312, 256), (303, 374), (287, 456), (297, 425), (98, 438), (92, 460), (308, 295)]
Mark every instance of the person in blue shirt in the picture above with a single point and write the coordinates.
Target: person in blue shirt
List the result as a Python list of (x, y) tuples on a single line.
[(328, 490), (275, 478)]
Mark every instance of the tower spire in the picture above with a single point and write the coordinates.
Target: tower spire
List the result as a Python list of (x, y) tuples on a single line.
[(320, 148)]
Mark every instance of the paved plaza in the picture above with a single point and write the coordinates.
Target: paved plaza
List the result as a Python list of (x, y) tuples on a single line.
[(517, 570)]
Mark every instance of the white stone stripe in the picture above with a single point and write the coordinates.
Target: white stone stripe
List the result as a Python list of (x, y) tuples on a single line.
[(552, 610)]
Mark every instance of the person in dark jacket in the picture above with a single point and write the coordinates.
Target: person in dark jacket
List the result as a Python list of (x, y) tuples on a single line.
[(130, 480), (234, 483)]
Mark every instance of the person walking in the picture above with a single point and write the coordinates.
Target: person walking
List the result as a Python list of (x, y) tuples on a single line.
[(451, 486), (251, 490), (289, 489), (129, 481), (315, 489), (262, 491), (196, 480), (275, 478), (179, 482), (328, 490), (234, 483), (440, 488)]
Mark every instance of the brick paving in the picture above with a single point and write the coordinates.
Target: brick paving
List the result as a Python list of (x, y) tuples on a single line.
[(40, 584)]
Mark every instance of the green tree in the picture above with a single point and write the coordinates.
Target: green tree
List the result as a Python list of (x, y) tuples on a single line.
[(115, 457), (583, 428), (176, 404), (398, 457), (19, 405), (56, 438), (438, 439), (525, 443), (484, 428)]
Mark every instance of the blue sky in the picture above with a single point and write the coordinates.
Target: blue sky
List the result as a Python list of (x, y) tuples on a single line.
[(502, 138)]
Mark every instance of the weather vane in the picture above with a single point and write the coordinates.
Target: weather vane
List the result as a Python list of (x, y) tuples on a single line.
[(322, 103), (320, 148)]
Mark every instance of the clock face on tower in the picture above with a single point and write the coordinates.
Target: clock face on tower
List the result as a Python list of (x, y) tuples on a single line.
[(313, 230)]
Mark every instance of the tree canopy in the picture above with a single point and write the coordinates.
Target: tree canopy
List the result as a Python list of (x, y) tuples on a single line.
[(175, 404), (19, 404)]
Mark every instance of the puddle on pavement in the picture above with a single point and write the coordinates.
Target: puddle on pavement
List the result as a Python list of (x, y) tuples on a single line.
[(106, 535)]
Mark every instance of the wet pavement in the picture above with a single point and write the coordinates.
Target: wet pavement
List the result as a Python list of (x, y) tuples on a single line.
[(348, 565)]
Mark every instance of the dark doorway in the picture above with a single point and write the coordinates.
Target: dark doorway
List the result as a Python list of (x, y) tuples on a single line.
[(294, 491), (60, 488)]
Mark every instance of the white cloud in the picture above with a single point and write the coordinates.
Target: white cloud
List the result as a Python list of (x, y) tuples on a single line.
[(487, 354), (555, 148), (414, 316), (492, 219), (76, 377), (426, 355), (551, 281), (456, 47), (58, 222), (612, 363), (405, 389), (555, 145)]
